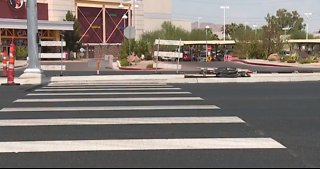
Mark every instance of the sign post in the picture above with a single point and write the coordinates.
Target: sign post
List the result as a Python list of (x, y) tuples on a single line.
[(130, 33)]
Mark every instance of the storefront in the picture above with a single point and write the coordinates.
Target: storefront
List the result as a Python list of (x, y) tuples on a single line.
[(13, 24)]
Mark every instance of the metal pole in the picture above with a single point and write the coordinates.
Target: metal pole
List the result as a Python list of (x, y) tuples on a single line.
[(158, 55), (307, 34), (1, 41), (134, 12), (32, 16), (224, 24), (206, 45), (179, 51), (61, 72)]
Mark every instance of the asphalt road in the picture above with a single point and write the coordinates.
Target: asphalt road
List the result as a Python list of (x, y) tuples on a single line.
[(284, 112)]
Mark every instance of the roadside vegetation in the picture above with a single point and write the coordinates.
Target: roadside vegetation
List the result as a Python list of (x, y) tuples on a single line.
[(251, 42)]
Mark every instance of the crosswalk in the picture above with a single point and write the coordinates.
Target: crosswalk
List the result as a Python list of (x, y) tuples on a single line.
[(121, 117)]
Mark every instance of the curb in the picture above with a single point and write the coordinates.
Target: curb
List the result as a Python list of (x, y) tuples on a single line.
[(139, 69), (262, 64)]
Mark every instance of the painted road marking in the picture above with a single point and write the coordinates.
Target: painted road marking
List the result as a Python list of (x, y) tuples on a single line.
[(101, 87), (110, 108), (109, 99), (120, 121), (111, 93), (115, 89), (139, 145), (104, 84)]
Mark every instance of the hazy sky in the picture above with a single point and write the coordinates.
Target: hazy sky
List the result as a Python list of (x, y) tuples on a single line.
[(250, 11)]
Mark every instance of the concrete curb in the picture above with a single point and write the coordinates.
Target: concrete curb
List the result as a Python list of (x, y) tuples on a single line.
[(139, 69), (262, 64), (256, 78)]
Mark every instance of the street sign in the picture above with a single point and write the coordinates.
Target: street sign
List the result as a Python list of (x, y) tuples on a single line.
[(82, 50), (130, 32)]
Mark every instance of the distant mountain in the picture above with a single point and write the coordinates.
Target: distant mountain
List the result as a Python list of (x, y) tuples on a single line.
[(214, 27)]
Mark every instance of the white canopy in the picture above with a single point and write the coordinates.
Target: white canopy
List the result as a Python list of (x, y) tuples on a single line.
[(42, 25), (182, 43), (305, 41)]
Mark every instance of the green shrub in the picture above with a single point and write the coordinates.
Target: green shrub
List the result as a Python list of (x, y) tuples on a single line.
[(305, 61), (149, 66), (293, 58), (124, 62), (283, 59), (21, 53), (256, 51)]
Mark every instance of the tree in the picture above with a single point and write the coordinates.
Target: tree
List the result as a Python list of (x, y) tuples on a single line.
[(272, 32), (72, 38)]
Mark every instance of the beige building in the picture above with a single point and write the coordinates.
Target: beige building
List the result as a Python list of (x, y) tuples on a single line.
[(148, 15), (102, 22)]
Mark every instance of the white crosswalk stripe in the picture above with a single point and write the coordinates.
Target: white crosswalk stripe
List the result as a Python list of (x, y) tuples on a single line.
[(110, 108), (50, 96), (110, 99), (114, 89), (143, 144), (109, 93), (120, 121), (99, 87)]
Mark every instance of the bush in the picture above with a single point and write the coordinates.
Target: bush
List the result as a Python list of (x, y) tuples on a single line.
[(256, 51), (124, 62), (21, 53), (149, 66), (305, 61), (283, 59), (293, 58)]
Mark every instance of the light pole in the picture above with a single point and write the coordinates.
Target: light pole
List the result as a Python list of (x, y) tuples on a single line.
[(224, 20), (307, 29), (207, 28), (61, 71), (124, 17), (199, 18), (255, 31), (286, 29), (32, 26)]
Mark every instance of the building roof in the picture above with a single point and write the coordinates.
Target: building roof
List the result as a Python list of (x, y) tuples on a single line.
[(43, 25)]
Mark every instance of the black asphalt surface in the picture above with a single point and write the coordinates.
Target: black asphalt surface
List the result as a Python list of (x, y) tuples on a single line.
[(286, 112)]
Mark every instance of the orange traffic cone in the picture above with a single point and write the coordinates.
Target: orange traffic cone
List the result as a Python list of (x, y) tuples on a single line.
[(10, 80), (4, 64)]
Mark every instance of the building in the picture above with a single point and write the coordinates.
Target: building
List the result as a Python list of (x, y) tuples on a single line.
[(102, 21)]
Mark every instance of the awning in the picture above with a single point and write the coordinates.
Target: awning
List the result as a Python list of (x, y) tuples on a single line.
[(181, 43), (42, 25), (214, 42)]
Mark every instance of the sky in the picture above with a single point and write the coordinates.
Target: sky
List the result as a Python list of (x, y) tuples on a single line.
[(252, 12)]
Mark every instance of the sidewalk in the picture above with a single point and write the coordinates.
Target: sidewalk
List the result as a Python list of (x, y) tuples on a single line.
[(259, 62)]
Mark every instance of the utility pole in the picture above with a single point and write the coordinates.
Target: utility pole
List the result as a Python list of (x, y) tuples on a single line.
[(224, 21), (33, 54), (307, 29)]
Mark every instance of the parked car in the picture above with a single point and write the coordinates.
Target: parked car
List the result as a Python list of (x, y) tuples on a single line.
[(187, 57)]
